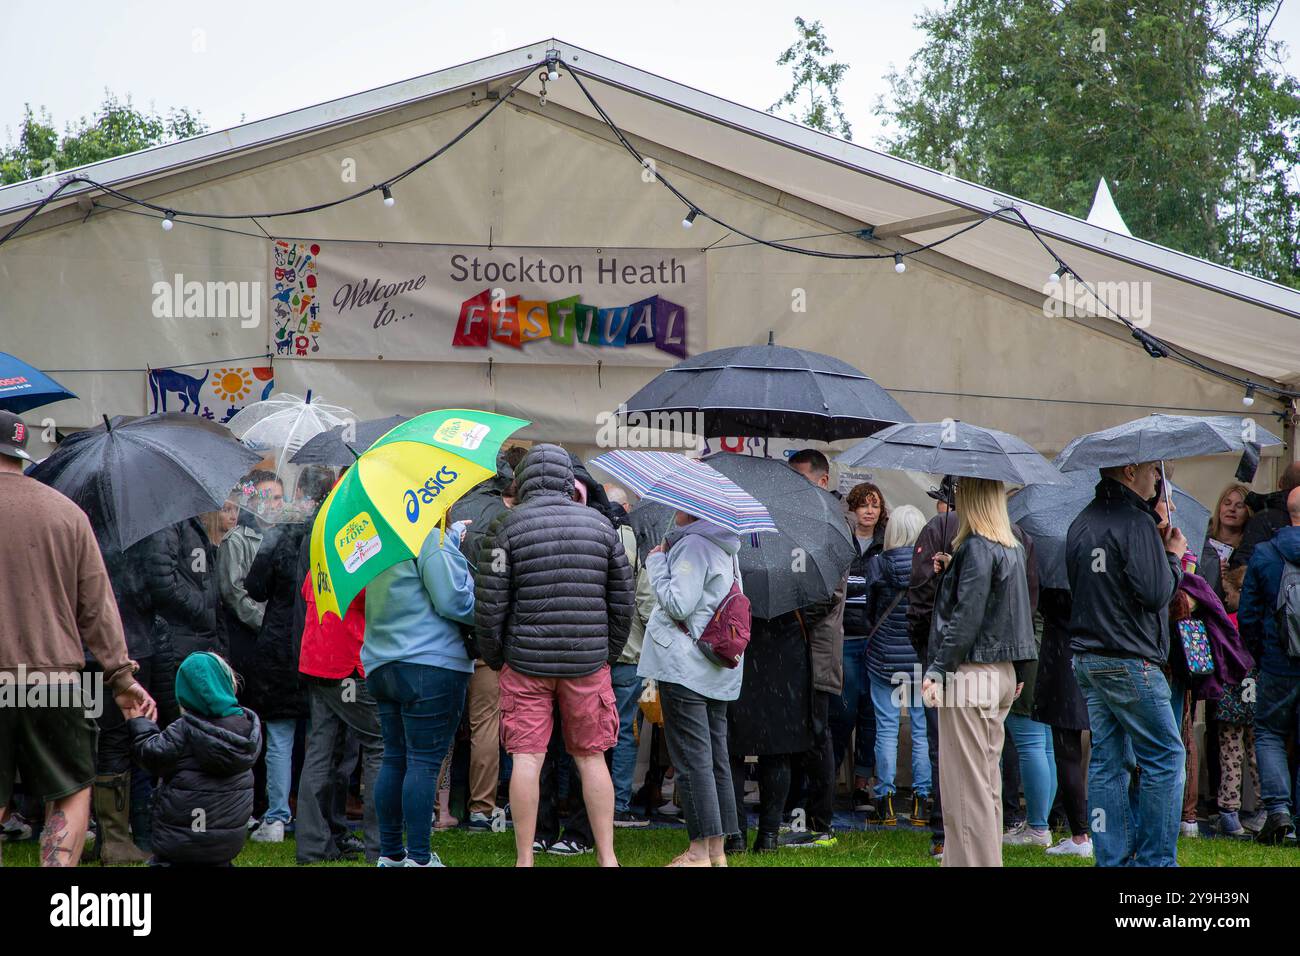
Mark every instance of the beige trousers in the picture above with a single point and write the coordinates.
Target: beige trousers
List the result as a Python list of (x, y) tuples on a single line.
[(975, 703), (484, 703)]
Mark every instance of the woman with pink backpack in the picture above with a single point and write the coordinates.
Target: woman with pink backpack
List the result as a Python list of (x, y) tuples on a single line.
[(692, 574)]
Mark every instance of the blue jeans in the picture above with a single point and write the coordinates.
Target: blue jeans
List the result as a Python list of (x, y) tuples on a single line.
[(1275, 723), (1037, 767), (887, 716), (627, 696), (1132, 725), (279, 768), (854, 712), (419, 710)]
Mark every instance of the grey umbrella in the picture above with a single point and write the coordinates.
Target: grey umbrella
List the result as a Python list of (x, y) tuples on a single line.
[(331, 447), (766, 390), (804, 561), (137, 476), (953, 448), (1163, 437), (1046, 512)]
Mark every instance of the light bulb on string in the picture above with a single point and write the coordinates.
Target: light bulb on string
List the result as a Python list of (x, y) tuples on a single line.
[(388, 197), (168, 220), (899, 265), (1249, 398), (689, 221)]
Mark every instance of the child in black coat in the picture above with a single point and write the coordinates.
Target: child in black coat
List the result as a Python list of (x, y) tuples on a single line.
[(205, 760)]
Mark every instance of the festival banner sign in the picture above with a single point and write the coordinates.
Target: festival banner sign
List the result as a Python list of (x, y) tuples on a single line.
[(431, 303)]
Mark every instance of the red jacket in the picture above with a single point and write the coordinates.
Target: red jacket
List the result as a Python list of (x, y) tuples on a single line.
[(332, 648)]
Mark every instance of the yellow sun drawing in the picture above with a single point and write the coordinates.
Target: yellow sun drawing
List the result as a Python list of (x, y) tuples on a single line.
[(232, 384)]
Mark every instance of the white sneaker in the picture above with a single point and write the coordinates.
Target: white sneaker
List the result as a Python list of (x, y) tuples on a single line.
[(1025, 835), (433, 861), (389, 861), (1191, 829), (271, 831), (1067, 847)]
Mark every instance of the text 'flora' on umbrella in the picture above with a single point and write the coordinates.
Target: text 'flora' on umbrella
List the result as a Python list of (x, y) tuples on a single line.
[(396, 494)]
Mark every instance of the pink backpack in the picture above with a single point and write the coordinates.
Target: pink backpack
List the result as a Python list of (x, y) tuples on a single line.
[(726, 636)]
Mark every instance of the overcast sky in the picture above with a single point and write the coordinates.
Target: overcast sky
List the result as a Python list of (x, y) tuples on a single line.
[(263, 57)]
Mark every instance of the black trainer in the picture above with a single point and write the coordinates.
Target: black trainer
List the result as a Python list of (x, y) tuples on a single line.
[(1276, 828), (766, 842), (734, 843)]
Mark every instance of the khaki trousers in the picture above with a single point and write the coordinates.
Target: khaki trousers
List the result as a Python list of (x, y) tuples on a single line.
[(484, 703), (975, 703)]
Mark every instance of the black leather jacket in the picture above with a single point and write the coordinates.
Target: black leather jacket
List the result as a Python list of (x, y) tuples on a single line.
[(982, 613), (1121, 577)]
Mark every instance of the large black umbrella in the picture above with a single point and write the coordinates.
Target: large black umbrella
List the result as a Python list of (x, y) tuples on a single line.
[(1162, 437), (766, 390), (953, 448), (1047, 511), (135, 476), (334, 446), (804, 561)]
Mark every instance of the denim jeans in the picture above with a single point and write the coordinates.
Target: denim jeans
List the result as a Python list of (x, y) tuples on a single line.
[(1037, 767), (853, 712), (627, 696), (696, 731), (419, 709), (888, 714), (279, 768), (1275, 723), (1132, 725)]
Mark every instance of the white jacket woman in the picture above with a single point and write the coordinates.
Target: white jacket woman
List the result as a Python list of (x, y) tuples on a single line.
[(689, 581)]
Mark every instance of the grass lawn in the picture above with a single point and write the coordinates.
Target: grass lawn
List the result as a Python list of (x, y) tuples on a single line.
[(655, 847)]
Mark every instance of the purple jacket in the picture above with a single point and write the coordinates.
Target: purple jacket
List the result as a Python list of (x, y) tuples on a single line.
[(1232, 662)]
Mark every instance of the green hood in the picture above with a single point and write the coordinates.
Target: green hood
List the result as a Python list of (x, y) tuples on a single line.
[(203, 687)]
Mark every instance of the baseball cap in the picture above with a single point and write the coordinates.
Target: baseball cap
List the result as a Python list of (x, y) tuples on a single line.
[(13, 436)]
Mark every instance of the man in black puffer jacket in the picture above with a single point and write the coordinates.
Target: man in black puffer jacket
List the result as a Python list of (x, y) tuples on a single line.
[(553, 606), (180, 567)]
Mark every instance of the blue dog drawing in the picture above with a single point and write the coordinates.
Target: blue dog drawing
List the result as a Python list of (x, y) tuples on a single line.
[(187, 387)]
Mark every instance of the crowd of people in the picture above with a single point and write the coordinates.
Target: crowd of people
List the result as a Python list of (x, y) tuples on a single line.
[(542, 658)]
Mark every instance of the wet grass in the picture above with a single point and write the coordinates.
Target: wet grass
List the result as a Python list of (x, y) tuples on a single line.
[(651, 848)]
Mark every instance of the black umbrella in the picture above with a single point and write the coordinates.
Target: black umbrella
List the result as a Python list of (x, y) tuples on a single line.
[(953, 448), (766, 390), (804, 561), (1047, 511), (331, 447), (135, 476), (650, 521)]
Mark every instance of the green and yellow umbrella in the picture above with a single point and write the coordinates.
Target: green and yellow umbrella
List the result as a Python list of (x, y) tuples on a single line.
[(398, 491)]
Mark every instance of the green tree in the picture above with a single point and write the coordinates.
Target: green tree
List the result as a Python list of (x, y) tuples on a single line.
[(117, 128), (814, 97), (1184, 106)]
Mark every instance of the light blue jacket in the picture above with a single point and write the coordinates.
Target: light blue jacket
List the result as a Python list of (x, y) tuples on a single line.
[(412, 608), (689, 582)]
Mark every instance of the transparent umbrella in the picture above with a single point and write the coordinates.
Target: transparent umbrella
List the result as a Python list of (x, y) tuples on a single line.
[(279, 426)]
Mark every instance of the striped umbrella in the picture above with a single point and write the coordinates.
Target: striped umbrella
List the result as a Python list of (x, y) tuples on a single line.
[(687, 485)]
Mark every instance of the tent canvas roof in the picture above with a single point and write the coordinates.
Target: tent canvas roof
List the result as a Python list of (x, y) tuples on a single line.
[(1241, 321)]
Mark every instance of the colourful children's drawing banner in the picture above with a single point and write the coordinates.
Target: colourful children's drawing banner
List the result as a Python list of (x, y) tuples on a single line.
[(413, 302), (214, 393)]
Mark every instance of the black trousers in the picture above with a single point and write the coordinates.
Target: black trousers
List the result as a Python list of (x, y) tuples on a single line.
[(774, 774), (1067, 746), (114, 752), (817, 765)]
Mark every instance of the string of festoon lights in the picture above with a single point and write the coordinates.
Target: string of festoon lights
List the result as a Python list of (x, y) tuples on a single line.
[(1153, 345)]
